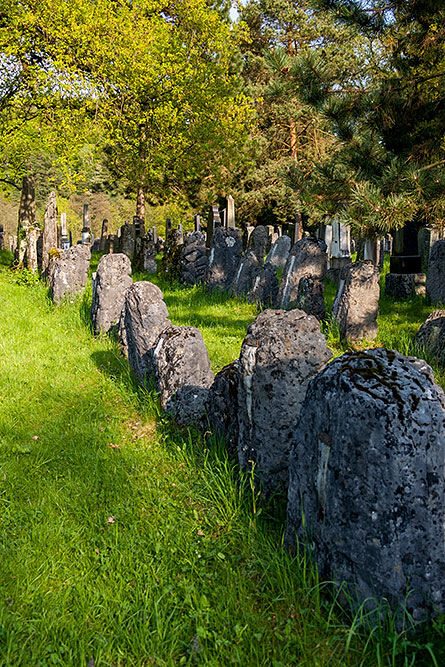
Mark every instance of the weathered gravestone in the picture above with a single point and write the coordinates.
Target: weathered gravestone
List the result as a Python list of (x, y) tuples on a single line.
[(33, 236), (225, 257), (221, 406), (103, 235), (148, 252), (280, 353), (431, 336), (128, 240), (265, 286), (259, 242), (307, 258), (310, 297), (49, 232), (426, 238), (435, 283), (113, 279), (366, 473), (144, 316), (405, 285), (169, 267), (70, 272), (356, 305), (279, 252), (183, 372), (193, 259), (245, 274)]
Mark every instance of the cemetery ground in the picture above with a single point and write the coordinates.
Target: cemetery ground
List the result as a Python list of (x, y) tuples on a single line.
[(127, 541)]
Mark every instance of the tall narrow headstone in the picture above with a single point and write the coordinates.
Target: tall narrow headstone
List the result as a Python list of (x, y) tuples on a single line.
[(197, 223), (64, 232), (103, 235), (213, 221), (155, 235), (86, 231), (230, 211), (49, 231)]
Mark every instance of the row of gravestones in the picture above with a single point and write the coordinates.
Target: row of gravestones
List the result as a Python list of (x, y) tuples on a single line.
[(357, 444)]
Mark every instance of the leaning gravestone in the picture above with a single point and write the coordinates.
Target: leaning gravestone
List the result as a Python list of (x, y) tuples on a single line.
[(259, 242), (70, 272), (265, 286), (356, 305), (279, 252), (281, 352), (144, 317), (431, 336), (225, 257), (221, 406), (307, 258), (183, 372), (245, 274), (435, 283), (113, 279), (366, 473), (193, 259)]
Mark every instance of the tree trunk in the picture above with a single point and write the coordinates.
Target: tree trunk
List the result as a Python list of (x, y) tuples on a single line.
[(27, 216), (140, 204)]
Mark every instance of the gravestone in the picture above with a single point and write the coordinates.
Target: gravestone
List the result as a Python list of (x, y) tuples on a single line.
[(426, 238), (170, 262), (405, 285), (230, 211), (213, 222), (193, 259), (197, 222), (70, 272), (148, 251), (280, 353), (103, 235), (49, 231), (279, 252), (356, 305), (224, 258), (128, 240), (183, 372), (65, 239), (307, 258), (435, 282), (144, 317), (27, 217), (366, 473), (310, 297), (113, 279), (259, 242), (86, 231), (221, 406), (245, 274), (431, 336), (265, 286), (33, 234)]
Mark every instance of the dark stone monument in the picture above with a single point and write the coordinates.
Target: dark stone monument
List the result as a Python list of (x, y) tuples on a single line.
[(280, 353), (307, 258), (221, 406), (366, 473), (224, 258), (356, 305), (431, 336), (193, 259), (435, 284), (265, 286), (245, 274)]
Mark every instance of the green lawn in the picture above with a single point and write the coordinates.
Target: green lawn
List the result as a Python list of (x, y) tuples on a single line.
[(125, 541)]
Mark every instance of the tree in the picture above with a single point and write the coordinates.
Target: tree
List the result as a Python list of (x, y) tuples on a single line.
[(386, 167), (290, 135)]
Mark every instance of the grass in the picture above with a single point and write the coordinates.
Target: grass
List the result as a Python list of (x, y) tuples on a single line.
[(125, 541)]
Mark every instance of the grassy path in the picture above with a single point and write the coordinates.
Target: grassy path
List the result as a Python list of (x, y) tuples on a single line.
[(124, 541)]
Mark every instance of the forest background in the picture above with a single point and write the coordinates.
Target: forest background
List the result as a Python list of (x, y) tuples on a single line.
[(317, 107)]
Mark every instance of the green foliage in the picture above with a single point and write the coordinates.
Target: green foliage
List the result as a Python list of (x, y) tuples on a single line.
[(6, 258), (25, 277)]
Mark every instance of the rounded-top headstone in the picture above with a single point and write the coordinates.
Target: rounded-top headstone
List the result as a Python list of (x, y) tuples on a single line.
[(70, 273), (366, 479), (113, 278)]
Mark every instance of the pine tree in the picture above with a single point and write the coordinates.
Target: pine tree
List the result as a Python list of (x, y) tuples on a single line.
[(386, 165)]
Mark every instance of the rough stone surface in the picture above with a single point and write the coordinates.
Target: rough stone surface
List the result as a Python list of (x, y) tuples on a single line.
[(405, 285), (221, 406), (431, 335), (33, 234), (356, 304), (265, 286), (70, 273), (182, 363), (366, 472), (245, 274), (148, 251), (279, 252), (310, 297), (193, 260), (224, 258), (144, 318), (113, 279), (128, 240), (170, 262), (49, 231), (435, 284), (307, 258), (281, 352), (259, 242)]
